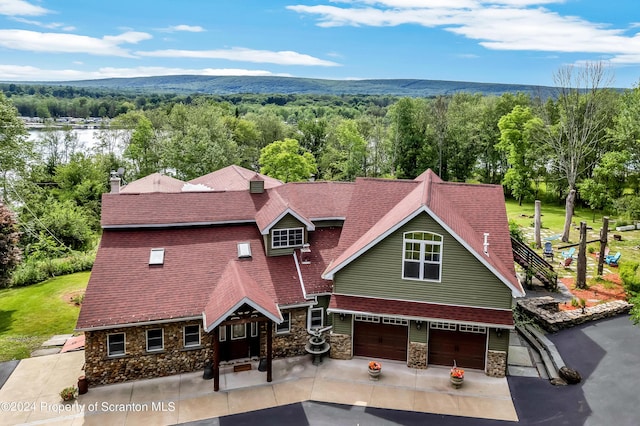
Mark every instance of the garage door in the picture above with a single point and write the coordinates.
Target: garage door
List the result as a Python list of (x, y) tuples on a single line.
[(379, 340), (467, 349)]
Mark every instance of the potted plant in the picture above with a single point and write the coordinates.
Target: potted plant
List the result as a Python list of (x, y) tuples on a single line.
[(374, 370), (69, 393), (457, 376)]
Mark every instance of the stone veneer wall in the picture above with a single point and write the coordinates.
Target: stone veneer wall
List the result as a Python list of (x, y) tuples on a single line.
[(496, 363), (417, 355), (292, 343), (137, 363), (545, 311), (340, 346)]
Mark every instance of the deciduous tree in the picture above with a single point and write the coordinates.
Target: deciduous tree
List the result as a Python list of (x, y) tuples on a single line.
[(287, 161), (10, 253)]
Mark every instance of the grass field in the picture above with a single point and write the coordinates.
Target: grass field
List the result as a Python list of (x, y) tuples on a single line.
[(31, 315)]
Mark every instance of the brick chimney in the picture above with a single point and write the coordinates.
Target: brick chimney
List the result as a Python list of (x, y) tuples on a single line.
[(115, 182)]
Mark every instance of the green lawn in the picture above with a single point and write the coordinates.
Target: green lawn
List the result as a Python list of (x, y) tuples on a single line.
[(30, 315)]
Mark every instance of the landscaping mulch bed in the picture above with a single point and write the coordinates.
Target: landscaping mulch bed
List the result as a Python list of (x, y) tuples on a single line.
[(599, 291)]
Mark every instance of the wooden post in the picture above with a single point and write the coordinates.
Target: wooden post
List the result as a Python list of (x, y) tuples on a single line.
[(603, 243), (581, 280), (216, 360), (537, 224), (269, 350)]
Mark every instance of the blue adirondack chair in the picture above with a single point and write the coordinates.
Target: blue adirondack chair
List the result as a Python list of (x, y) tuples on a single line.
[(612, 259), (569, 253), (548, 250)]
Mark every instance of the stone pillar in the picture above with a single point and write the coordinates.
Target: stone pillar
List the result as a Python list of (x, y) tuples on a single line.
[(417, 355), (496, 363), (340, 346)]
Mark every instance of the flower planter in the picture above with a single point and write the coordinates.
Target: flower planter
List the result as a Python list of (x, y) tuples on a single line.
[(374, 374), (457, 381)]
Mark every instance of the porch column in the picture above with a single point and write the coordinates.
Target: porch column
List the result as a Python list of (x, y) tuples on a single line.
[(269, 350), (216, 361)]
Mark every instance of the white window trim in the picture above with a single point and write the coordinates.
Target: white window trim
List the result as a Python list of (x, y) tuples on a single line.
[(161, 340), (288, 329), (222, 333), (238, 338), (184, 336), (422, 243), (124, 349), (443, 326), (288, 230), (255, 327), (310, 318), (366, 318), (467, 328), (156, 256)]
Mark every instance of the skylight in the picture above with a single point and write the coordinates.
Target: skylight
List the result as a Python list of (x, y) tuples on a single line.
[(244, 250), (156, 257)]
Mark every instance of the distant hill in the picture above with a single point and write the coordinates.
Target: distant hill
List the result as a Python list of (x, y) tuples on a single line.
[(224, 85)]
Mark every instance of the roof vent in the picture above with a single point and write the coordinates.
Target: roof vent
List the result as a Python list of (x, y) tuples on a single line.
[(244, 250), (486, 243), (256, 186), (305, 254), (156, 257)]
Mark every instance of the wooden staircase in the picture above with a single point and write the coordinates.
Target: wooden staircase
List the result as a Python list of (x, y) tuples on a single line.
[(534, 265)]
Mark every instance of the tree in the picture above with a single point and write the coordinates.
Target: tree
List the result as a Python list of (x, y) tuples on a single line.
[(143, 149), (346, 155), (517, 130), (15, 148), (608, 181), (287, 161), (583, 114), (10, 253)]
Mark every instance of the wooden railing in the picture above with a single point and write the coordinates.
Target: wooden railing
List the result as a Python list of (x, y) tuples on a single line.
[(534, 265)]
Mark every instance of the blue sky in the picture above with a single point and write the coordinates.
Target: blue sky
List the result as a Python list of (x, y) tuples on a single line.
[(500, 41)]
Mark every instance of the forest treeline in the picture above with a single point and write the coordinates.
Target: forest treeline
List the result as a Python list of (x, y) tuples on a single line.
[(583, 143)]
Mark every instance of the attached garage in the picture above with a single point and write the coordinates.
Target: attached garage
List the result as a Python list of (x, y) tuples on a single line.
[(380, 338), (466, 345)]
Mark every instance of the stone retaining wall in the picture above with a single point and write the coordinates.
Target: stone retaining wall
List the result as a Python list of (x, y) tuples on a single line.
[(496, 363), (545, 311), (417, 355)]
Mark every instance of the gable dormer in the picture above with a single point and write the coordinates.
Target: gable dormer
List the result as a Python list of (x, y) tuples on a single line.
[(286, 235)]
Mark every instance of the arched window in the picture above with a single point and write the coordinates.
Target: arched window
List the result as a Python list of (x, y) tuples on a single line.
[(422, 256)]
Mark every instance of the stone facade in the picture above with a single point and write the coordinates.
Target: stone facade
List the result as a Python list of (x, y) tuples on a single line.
[(137, 363), (496, 363), (292, 343), (417, 355), (545, 312), (340, 346)]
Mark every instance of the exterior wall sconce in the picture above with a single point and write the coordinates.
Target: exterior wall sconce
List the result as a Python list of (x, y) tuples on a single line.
[(418, 325), (498, 332), (342, 316)]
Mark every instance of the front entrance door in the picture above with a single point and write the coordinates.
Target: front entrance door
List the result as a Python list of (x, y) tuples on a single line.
[(239, 341)]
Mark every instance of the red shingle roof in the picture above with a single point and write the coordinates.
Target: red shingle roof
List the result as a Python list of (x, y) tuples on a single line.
[(153, 183), (420, 310), (234, 178)]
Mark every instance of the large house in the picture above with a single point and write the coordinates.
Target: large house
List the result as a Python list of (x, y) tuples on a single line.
[(235, 266)]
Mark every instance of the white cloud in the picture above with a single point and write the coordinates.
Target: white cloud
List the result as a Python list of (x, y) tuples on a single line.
[(21, 8), (69, 43), (523, 25), (48, 25), (244, 55), (29, 73), (187, 28)]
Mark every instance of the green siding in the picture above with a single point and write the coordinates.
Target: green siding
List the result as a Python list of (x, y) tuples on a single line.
[(416, 335), (340, 326), (323, 302), (288, 221), (498, 343), (464, 280)]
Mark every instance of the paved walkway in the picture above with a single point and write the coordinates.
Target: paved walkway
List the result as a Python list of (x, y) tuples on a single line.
[(30, 395)]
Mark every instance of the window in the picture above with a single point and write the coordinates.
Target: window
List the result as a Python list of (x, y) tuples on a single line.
[(422, 256), (395, 321), (244, 250), (367, 318), (156, 257), (443, 326), (155, 340), (222, 330), (316, 318), (238, 331), (191, 335), (473, 328), (282, 238), (254, 329), (284, 326), (115, 344)]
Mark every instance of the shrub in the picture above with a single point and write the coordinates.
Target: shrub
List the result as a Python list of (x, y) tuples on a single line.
[(515, 231), (33, 271), (630, 275)]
